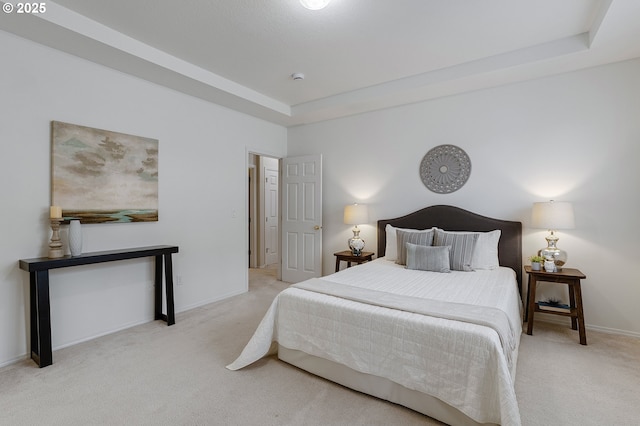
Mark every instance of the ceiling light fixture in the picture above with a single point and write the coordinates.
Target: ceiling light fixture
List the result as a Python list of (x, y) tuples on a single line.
[(314, 4)]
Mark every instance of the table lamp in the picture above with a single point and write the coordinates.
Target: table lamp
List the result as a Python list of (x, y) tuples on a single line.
[(553, 215), (356, 214)]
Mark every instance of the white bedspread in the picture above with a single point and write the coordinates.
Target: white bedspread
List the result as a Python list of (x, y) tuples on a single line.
[(460, 363)]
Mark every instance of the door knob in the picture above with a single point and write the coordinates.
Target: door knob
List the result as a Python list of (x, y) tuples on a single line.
[(317, 227)]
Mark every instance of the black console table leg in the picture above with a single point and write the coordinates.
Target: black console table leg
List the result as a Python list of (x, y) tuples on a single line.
[(41, 351), (168, 277), (158, 288), (33, 315)]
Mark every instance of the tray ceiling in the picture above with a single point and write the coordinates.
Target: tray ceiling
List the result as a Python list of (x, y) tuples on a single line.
[(356, 55)]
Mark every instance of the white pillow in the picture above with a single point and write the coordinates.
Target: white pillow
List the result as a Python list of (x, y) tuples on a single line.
[(391, 249), (485, 252)]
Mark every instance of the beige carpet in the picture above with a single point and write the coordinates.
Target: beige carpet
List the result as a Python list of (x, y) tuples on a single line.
[(154, 374)]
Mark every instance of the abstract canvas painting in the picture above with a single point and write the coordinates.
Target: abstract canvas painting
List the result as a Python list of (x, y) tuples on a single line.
[(99, 176)]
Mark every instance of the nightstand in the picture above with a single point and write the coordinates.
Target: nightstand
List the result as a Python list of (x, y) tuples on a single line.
[(346, 256), (569, 276)]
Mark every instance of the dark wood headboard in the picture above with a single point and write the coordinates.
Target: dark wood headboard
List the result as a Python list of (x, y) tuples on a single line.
[(452, 218)]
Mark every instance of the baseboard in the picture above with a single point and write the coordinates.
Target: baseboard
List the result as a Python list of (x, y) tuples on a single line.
[(555, 319), (14, 360), (209, 301)]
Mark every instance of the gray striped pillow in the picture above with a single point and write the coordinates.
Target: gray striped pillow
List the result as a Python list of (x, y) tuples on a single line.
[(419, 238), (423, 258), (462, 246)]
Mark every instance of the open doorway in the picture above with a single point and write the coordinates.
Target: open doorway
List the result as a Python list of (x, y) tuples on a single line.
[(263, 212), (289, 242)]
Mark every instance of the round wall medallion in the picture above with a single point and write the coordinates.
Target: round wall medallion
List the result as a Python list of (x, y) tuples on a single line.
[(445, 169)]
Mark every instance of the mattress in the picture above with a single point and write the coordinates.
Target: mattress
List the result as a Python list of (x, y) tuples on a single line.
[(464, 364)]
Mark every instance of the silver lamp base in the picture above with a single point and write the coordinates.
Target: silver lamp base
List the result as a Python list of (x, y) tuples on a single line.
[(356, 244), (552, 251)]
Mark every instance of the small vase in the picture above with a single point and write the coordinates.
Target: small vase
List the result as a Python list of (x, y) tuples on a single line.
[(549, 265), (75, 238), (535, 266)]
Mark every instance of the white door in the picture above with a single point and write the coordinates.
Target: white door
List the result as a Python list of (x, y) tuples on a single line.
[(271, 234), (301, 218)]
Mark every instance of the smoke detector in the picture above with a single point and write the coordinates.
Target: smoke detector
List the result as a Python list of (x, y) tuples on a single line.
[(297, 76)]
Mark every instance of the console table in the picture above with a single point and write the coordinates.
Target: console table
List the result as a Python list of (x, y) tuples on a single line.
[(38, 269)]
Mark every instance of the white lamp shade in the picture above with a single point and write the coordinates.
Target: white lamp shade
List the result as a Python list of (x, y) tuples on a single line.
[(552, 215), (314, 4), (356, 214)]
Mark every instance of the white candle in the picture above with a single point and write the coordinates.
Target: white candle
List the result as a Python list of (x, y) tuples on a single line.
[(55, 212)]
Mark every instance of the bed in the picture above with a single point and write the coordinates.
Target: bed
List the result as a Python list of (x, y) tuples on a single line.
[(443, 344)]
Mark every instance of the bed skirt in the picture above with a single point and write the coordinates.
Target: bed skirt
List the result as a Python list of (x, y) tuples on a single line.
[(375, 386)]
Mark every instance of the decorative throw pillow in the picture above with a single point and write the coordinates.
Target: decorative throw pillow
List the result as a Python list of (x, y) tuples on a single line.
[(485, 253), (462, 246), (425, 258), (391, 248), (420, 238)]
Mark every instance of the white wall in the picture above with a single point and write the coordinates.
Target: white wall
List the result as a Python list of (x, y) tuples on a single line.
[(573, 137), (202, 193)]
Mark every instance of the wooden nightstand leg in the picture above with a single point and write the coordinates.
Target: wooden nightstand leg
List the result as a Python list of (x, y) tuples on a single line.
[(581, 328), (526, 304), (337, 264), (572, 304), (531, 297)]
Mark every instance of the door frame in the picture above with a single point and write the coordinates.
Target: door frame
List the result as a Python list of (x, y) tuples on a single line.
[(252, 216)]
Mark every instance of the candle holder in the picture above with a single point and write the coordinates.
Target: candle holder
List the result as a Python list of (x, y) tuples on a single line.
[(55, 246)]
